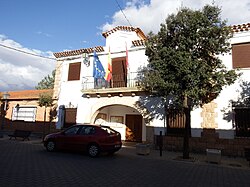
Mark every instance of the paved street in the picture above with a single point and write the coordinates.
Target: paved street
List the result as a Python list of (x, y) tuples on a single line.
[(28, 164)]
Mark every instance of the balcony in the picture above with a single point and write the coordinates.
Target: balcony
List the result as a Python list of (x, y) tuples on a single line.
[(120, 85)]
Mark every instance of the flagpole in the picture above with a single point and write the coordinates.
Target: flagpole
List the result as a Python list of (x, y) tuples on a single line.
[(127, 66)]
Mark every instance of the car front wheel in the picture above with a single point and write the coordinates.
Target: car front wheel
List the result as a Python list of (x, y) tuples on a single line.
[(93, 150), (51, 146)]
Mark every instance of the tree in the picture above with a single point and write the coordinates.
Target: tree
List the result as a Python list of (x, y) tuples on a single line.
[(47, 82), (183, 60), (46, 100)]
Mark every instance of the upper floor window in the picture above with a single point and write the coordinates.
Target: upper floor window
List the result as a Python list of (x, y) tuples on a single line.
[(74, 71), (241, 55), (119, 72)]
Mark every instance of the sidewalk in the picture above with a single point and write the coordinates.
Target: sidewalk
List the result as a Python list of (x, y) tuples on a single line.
[(226, 161)]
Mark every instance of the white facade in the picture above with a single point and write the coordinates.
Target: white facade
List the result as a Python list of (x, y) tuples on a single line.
[(224, 115), (71, 94)]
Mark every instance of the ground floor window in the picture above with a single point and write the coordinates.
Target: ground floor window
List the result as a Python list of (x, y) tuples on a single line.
[(24, 113), (176, 123), (242, 121)]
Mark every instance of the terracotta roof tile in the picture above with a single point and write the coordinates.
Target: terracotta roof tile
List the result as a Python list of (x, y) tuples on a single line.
[(27, 94), (125, 28), (241, 28), (100, 48), (138, 43), (78, 52)]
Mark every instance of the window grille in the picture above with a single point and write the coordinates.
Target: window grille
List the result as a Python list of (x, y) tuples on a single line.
[(25, 113)]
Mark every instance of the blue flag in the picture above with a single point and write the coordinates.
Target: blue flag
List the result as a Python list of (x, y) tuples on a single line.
[(98, 70)]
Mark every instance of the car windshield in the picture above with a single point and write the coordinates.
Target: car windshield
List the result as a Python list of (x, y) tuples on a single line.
[(108, 130)]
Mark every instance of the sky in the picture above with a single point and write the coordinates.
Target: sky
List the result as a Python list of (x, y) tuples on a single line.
[(47, 26)]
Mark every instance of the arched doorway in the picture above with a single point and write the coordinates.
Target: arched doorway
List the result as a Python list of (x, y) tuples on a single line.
[(124, 119)]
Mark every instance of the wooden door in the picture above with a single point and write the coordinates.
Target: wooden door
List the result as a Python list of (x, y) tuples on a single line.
[(119, 72), (70, 117), (134, 128)]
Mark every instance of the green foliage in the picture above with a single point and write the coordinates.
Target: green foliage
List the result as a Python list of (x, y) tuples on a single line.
[(47, 82), (45, 99), (183, 57)]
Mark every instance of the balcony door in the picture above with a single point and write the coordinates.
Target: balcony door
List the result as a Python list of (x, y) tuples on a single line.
[(119, 72)]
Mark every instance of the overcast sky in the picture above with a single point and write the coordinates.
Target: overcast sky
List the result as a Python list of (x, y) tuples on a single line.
[(44, 27)]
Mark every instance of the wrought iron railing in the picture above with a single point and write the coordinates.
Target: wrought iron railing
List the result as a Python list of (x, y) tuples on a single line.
[(117, 81)]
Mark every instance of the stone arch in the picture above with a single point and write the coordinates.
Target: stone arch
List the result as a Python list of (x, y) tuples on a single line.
[(130, 102)]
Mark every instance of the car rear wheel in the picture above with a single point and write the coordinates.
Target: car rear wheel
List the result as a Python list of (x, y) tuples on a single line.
[(51, 146), (93, 150)]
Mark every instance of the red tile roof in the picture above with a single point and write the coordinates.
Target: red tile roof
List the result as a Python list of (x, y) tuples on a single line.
[(125, 28), (136, 43), (78, 52), (241, 28), (27, 94), (100, 48)]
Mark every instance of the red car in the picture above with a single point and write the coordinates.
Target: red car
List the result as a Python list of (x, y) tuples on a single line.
[(91, 138)]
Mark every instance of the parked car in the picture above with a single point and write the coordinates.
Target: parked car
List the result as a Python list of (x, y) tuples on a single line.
[(84, 137)]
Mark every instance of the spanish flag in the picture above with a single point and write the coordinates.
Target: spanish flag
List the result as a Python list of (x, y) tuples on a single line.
[(108, 75), (127, 57)]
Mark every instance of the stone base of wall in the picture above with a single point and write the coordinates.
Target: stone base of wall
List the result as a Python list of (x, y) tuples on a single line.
[(150, 134), (34, 127), (209, 140)]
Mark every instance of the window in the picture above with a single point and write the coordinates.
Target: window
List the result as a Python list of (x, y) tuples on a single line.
[(72, 131), (176, 122), (74, 71), (241, 55), (25, 113), (119, 72), (108, 130), (87, 130), (242, 121)]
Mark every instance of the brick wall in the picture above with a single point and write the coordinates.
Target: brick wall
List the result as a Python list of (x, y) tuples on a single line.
[(36, 127), (209, 139)]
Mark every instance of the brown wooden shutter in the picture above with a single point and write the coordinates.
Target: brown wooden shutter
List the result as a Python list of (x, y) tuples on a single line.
[(241, 55), (70, 117), (74, 71), (119, 72)]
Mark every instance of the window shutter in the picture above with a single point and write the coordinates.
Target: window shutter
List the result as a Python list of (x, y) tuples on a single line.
[(241, 55), (74, 71), (119, 72)]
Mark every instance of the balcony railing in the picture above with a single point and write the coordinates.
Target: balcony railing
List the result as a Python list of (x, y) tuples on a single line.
[(129, 80)]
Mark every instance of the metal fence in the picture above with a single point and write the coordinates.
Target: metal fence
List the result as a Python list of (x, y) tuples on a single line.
[(117, 81)]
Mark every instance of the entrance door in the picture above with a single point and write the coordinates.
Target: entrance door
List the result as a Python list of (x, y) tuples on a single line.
[(70, 117), (134, 128)]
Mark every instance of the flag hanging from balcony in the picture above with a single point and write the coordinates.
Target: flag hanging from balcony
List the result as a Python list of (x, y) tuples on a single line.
[(127, 65), (108, 74), (98, 70)]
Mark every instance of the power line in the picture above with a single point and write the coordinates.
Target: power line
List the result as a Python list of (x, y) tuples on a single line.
[(123, 13), (21, 51)]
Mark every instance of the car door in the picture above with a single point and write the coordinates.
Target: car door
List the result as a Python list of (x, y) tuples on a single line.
[(69, 138), (86, 136)]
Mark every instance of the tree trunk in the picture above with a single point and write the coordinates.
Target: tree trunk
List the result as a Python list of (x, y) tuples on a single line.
[(44, 121), (187, 129)]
